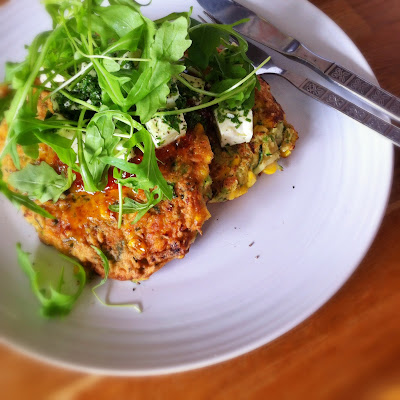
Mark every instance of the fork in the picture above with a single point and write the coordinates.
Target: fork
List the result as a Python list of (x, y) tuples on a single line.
[(319, 92)]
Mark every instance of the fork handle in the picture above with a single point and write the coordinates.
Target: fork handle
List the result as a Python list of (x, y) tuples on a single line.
[(331, 99), (365, 90)]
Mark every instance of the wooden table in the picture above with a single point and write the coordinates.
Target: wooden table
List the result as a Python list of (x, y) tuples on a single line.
[(349, 349)]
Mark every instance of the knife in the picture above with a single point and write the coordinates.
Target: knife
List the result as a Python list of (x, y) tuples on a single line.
[(263, 32)]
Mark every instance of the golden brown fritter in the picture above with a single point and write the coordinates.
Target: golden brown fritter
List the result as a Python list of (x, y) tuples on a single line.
[(234, 168), (136, 250), (166, 232)]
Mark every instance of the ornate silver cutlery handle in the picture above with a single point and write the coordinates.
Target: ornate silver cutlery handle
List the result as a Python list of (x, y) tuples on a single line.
[(337, 102), (365, 90)]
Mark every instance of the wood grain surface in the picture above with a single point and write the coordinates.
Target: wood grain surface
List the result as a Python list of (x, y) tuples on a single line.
[(349, 349)]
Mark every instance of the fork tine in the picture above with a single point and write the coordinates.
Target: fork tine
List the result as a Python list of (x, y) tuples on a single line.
[(202, 19), (212, 18)]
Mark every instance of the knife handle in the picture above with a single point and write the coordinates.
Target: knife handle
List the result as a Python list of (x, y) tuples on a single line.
[(331, 99), (365, 90)]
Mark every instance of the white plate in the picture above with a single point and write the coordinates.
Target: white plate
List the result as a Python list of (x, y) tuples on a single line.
[(311, 226)]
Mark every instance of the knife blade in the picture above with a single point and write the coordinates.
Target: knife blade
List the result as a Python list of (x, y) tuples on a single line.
[(263, 32)]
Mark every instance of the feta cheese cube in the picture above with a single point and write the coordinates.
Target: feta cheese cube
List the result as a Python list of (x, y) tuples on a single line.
[(235, 126), (166, 129), (197, 83), (194, 81), (58, 79), (173, 94)]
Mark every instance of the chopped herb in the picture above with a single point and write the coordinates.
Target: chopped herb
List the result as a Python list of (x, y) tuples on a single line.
[(260, 156), (173, 121), (173, 87), (236, 121), (193, 118), (88, 90)]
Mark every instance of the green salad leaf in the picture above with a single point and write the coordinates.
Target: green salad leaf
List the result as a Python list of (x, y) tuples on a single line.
[(62, 147), (205, 41), (16, 74), (20, 200), (29, 130), (54, 303), (100, 141), (168, 48), (122, 19), (106, 266), (41, 182), (131, 206), (227, 61), (31, 150), (35, 60), (107, 70), (147, 174), (5, 102)]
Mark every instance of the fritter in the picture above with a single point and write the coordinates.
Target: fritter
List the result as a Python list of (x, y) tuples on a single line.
[(136, 250), (198, 168), (234, 169)]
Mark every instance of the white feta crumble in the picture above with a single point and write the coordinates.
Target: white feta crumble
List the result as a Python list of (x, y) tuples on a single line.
[(234, 126), (198, 83), (58, 79), (173, 94), (163, 129)]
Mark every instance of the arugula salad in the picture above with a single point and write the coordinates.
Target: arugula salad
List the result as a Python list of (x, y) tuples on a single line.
[(109, 82)]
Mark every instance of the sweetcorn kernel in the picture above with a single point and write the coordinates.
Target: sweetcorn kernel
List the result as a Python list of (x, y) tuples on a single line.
[(251, 179), (271, 169), (236, 161), (208, 159), (204, 171), (286, 153), (238, 192)]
